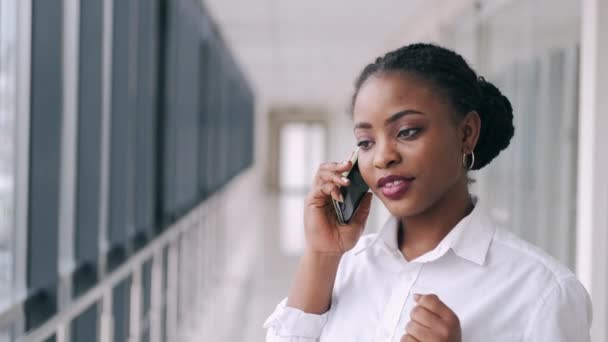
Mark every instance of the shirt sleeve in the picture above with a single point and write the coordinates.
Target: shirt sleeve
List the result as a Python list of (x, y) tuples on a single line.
[(563, 314), (287, 324)]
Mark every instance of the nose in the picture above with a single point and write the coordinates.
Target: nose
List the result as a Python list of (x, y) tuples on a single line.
[(386, 155)]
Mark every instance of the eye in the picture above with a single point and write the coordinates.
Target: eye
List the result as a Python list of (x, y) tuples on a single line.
[(409, 132), (364, 144)]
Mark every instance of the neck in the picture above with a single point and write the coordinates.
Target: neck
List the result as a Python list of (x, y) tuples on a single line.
[(421, 233)]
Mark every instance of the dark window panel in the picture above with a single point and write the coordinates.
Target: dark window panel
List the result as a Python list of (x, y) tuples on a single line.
[(45, 156), (162, 50), (84, 327), (210, 121), (204, 117), (146, 286), (121, 305), (146, 119), (89, 133), (169, 84), (121, 127), (187, 117)]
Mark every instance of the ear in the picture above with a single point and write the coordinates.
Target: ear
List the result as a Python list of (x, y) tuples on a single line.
[(470, 127)]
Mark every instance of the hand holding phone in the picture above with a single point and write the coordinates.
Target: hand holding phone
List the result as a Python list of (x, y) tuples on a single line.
[(352, 193), (326, 233)]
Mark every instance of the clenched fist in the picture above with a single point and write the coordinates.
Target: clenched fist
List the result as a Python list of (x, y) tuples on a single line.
[(432, 320)]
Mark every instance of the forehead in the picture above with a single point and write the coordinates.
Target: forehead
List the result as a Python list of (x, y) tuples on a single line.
[(385, 94)]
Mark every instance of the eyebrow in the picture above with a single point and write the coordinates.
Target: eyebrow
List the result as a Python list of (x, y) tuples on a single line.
[(393, 118)]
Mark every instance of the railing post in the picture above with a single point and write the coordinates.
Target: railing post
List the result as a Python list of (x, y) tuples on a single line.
[(62, 333), (188, 262), (156, 300), (135, 305), (182, 281), (106, 319), (200, 259), (172, 283)]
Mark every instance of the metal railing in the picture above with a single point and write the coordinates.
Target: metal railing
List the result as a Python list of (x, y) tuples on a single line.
[(191, 246)]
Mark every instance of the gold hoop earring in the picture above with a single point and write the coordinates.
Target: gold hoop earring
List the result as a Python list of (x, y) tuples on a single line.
[(464, 161)]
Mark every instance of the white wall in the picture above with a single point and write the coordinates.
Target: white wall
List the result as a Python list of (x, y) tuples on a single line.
[(592, 207)]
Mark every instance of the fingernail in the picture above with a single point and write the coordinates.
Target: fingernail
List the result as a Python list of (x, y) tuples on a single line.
[(346, 179), (416, 297), (345, 162)]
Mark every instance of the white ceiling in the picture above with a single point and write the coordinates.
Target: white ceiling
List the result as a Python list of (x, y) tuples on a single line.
[(308, 52)]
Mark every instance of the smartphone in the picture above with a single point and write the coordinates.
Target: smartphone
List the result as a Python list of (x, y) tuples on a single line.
[(353, 193)]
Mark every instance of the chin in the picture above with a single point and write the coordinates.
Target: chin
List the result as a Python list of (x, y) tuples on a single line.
[(403, 207)]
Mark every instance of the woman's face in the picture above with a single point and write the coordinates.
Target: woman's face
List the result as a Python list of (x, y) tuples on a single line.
[(407, 132)]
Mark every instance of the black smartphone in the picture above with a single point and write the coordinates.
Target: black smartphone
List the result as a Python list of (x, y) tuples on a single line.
[(353, 193)]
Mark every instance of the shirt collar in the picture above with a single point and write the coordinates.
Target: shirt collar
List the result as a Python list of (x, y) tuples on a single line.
[(470, 238), (387, 235)]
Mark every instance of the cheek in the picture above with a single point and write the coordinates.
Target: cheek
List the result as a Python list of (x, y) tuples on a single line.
[(441, 158), (366, 167)]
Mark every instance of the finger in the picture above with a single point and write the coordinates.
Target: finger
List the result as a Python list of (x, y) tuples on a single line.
[(408, 338), (363, 210), (344, 167), (332, 176), (436, 306), (336, 167), (425, 317), (418, 331), (337, 195), (331, 189), (317, 197)]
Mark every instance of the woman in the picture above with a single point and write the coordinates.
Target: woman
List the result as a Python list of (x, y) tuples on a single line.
[(439, 269)]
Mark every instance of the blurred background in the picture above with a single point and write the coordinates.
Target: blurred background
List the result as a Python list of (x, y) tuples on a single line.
[(154, 154)]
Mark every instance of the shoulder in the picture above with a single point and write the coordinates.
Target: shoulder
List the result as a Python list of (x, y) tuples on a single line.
[(535, 270), (548, 288), (554, 294), (510, 248)]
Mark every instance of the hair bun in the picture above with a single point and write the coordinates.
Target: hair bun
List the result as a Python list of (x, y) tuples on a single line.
[(497, 128), (459, 85)]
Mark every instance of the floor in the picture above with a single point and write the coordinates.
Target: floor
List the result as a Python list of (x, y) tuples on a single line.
[(257, 274), (272, 274), (262, 256)]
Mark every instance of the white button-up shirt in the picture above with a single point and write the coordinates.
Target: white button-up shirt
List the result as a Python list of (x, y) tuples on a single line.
[(500, 287)]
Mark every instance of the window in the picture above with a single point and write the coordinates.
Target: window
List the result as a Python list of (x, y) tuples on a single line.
[(302, 149), (45, 160), (88, 163)]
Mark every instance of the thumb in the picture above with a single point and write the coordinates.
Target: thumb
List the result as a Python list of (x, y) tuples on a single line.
[(363, 210)]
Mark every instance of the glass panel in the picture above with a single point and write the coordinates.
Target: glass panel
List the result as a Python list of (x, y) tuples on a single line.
[(89, 133), (8, 108), (291, 218), (531, 54), (302, 150), (293, 173), (542, 47), (315, 150)]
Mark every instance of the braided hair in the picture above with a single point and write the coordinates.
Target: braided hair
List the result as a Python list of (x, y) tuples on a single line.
[(454, 78)]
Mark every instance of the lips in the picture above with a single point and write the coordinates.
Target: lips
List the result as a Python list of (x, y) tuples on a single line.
[(394, 187)]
